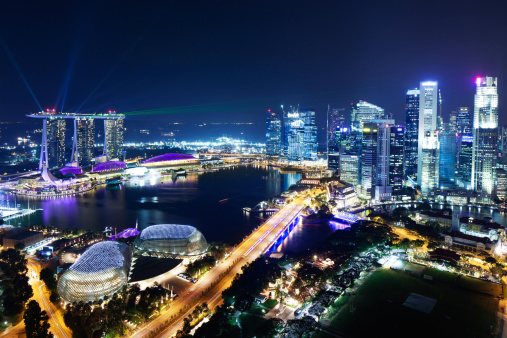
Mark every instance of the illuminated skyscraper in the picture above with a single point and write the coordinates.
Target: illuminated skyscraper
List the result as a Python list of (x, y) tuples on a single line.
[(335, 121), (349, 168), (300, 134), (464, 172), (293, 134), (485, 132), (55, 136), (368, 177), (464, 120), (335, 125), (429, 160), (428, 145), (396, 159), (113, 145), (359, 114), (412, 132), (310, 135), (447, 159), (374, 179), (273, 134), (453, 122), (84, 140)]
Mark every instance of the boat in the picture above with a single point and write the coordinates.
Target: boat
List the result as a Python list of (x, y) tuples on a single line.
[(113, 180), (179, 172), (225, 200)]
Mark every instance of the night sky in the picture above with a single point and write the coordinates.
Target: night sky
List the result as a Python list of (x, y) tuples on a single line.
[(216, 61)]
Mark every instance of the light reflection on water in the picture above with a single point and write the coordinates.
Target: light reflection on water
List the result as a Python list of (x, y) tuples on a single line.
[(193, 199)]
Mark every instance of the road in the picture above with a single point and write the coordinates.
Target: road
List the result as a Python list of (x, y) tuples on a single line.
[(57, 326), (222, 274)]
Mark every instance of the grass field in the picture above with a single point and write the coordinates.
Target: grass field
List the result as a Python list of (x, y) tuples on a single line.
[(377, 309), (442, 276), (250, 324), (270, 303)]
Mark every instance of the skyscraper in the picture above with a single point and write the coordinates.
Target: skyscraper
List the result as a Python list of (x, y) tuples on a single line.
[(55, 135), (300, 134), (310, 135), (453, 121), (335, 121), (447, 159), (359, 114), (84, 140), (349, 168), (335, 124), (429, 160), (113, 145), (485, 132), (464, 172), (464, 120), (383, 190), (368, 176), (428, 137), (412, 132), (273, 134), (396, 159)]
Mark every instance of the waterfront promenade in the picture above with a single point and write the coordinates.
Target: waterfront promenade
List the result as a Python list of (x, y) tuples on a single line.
[(221, 276)]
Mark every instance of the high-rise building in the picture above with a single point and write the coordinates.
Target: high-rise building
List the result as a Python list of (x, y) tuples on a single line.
[(383, 190), (503, 140), (485, 132), (429, 160), (349, 168), (310, 135), (464, 170), (453, 122), (412, 132), (84, 140), (368, 176), (300, 134), (447, 160), (359, 114), (273, 134), (464, 120), (396, 159), (293, 134), (55, 135), (501, 185), (335, 121), (113, 145), (335, 125), (427, 136)]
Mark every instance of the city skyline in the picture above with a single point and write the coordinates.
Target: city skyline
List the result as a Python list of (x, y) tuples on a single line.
[(102, 62)]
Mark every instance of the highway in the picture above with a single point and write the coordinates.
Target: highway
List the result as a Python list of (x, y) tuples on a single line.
[(58, 327), (247, 251)]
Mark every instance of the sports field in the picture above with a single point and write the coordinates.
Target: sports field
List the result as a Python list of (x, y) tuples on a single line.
[(377, 308)]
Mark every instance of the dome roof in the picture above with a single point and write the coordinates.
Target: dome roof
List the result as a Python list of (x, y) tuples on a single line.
[(171, 240), (101, 271), (169, 157), (102, 256), (164, 231)]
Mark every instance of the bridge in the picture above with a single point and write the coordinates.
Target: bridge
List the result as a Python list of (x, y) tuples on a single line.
[(221, 276), (348, 217)]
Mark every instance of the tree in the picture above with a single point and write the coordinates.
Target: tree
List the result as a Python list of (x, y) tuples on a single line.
[(19, 246), (36, 321), (400, 212), (243, 302), (491, 260), (48, 276), (16, 290)]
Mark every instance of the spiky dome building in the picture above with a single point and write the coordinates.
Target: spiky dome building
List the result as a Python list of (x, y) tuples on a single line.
[(101, 271)]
